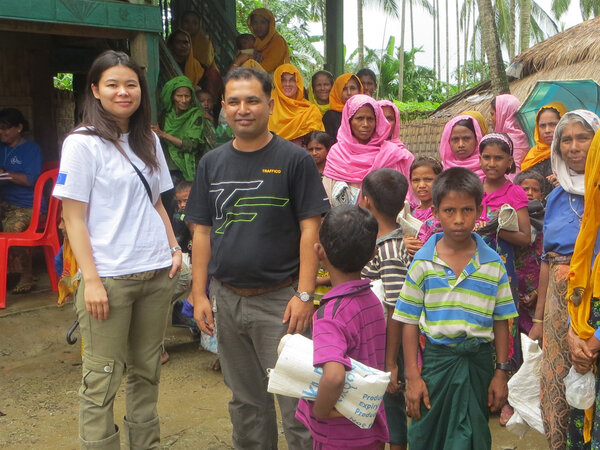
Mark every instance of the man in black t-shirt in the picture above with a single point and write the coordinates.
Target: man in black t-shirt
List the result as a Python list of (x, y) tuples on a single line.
[(256, 202)]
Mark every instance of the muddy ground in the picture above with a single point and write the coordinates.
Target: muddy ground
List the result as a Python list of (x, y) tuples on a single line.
[(40, 374)]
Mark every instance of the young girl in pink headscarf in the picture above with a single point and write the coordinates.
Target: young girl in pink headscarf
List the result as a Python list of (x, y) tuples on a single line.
[(392, 115), (362, 147), (502, 113), (459, 144)]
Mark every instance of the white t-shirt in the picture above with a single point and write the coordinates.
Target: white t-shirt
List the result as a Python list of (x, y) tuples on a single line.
[(126, 232)]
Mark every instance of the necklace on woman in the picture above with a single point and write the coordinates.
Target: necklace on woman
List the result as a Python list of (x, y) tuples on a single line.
[(579, 216)]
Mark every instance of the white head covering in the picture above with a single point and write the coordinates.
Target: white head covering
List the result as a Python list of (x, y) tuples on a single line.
[(570, 181)]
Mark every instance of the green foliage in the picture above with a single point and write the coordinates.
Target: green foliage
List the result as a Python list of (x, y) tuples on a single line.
[(63, 81), (416, 110)]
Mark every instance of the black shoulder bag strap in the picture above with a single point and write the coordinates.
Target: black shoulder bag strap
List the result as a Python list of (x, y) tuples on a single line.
[(138, 171)]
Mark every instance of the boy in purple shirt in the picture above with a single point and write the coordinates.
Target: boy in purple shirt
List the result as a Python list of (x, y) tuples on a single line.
[(349, 324)]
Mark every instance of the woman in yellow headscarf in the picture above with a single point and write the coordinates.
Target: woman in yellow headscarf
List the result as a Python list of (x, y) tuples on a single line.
[(584, 287), (271, 45), (538, 157), (293, 116), (320, 87), (344, 87), (483, 125), (179, 43)]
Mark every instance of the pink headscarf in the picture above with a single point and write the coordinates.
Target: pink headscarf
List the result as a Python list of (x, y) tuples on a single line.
[(448, 157), (507, 106), (395, 139), (350, 161)]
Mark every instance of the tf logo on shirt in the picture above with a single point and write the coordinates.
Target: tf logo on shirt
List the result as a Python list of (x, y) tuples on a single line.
[(228, 192)]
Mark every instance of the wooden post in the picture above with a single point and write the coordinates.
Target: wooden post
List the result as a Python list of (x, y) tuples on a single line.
[(334, 40)]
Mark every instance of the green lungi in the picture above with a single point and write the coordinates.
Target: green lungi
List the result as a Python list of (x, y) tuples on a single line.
[(457, 380)]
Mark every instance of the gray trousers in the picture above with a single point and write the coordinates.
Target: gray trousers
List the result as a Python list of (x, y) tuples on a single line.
[(132, 333), (250, 329)]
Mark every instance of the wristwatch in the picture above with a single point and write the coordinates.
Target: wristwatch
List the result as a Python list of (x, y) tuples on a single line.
[(506, 366), (177, 248), (304, 296)]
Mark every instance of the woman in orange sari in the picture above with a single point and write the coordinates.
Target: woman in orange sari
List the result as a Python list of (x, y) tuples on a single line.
[(293, 116), (179, 43), (344, 87), (271, 45)]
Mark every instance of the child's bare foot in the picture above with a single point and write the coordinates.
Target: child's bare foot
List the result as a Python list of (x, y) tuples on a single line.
[(215, 365), (164, 357)]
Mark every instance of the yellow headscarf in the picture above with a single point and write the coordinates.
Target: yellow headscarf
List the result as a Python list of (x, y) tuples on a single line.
[(335, 96), (483, 125), (292, 118), (541, 151), (584, 280), (313, 100), (193, 69), (273, 48)]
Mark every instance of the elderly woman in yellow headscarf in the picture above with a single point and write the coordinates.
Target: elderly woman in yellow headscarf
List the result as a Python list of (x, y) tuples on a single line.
[(271, 45), (344, 87), (538, 158), (583, 296), (293, 116)]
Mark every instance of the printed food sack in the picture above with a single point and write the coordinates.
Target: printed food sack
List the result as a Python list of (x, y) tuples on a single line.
[(295, 376)]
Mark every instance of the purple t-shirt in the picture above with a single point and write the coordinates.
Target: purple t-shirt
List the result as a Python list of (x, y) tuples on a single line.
[(349, 324), (510, 193)]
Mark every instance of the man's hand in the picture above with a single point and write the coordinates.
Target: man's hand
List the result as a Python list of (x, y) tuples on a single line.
[(415, 391), (498, 391), (298, 315), (203, 314)]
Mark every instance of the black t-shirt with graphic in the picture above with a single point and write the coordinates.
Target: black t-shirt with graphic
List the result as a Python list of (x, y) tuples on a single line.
[(254, 201)]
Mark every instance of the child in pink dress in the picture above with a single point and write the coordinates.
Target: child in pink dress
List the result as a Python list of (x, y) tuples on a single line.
[(422, 174)]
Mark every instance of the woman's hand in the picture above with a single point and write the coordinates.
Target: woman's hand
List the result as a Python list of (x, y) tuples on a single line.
[(581, 356), (160, 133), (176, 264), (535, 334), (96, 300)]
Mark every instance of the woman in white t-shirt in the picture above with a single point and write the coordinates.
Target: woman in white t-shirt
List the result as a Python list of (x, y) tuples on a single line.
[(112, 172)]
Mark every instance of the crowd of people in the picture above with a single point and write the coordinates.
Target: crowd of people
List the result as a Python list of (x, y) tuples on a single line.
[(484, 241)]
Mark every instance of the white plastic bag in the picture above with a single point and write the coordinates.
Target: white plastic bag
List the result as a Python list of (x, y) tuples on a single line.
[(295, 376), (524, 390), (580, 389), (409, 223)]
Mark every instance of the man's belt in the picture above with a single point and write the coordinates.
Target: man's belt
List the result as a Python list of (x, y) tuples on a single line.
[(252, 292)]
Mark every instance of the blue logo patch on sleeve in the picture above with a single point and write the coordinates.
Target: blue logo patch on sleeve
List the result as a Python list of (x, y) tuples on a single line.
[(62, 177)]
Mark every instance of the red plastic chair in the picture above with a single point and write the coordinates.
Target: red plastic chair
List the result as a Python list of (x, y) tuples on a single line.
[(31, 237)]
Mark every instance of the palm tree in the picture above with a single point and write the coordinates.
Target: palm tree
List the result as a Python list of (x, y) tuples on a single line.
[(491, 42), (389, 7), (588, 8)]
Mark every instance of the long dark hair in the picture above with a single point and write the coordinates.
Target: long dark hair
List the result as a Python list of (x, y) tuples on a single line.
[(100, 123)]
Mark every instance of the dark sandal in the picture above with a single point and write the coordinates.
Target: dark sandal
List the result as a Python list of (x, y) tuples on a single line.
[(22, 288)]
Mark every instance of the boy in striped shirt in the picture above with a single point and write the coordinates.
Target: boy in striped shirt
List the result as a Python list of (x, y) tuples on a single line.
[(383, 193), (458, 292)]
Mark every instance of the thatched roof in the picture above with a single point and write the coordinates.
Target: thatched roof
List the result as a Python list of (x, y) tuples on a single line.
[(569, 55)]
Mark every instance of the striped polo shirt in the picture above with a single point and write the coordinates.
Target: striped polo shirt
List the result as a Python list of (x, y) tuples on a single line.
[(451, 309)]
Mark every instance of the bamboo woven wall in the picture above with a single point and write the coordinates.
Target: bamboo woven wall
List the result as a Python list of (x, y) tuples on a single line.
[(422, 137)]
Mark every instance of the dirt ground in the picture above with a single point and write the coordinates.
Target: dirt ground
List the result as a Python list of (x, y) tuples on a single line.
[(40, 375)]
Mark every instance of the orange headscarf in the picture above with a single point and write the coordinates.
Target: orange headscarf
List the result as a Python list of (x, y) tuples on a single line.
[(335, 95), (273, 48), (193, 69), (541, 151), (292, 117)]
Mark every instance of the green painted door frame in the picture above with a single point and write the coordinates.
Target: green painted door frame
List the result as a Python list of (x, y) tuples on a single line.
[(334, 41)]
